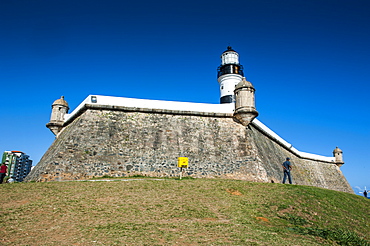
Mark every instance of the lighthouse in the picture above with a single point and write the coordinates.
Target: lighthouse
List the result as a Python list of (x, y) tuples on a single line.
[(229, 74)]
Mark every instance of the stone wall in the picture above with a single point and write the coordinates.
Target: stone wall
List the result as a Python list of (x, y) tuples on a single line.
[(121, 143)]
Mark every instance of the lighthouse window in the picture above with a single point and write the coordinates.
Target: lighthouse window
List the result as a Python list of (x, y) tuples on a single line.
[(222, 87)]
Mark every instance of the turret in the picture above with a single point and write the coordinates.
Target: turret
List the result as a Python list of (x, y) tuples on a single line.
[(338, 154), (58, 110), (245, 110), (230, 73)]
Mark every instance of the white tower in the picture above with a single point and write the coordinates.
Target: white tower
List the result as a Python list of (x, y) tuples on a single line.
[(58, 110), (230, 73)]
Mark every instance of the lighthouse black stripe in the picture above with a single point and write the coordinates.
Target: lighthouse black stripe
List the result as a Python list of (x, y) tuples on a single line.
[(226, 99)]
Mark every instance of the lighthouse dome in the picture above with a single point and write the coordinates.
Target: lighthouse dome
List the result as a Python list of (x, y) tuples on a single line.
[(229, 49)]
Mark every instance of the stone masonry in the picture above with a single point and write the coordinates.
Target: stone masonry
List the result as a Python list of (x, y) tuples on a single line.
[(123, 142)]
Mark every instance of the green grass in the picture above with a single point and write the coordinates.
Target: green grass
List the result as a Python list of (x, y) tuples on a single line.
[(182, 212)]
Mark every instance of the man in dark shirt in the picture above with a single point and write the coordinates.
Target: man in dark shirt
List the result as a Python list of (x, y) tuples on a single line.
[(287, 167)]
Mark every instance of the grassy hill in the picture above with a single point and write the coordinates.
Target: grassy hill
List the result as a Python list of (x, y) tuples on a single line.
[(180, 212)]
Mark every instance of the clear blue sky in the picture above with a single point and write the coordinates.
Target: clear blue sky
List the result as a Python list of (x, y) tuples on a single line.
[(308, 60)]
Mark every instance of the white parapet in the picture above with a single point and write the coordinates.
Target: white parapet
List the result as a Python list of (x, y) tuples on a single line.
[(289, 146), (226, 108), (153, 104)]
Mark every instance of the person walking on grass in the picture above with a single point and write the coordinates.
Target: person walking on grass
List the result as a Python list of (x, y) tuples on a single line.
[(3, 171), (287, 167)]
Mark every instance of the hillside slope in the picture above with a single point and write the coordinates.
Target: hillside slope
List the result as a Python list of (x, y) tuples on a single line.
[(182, 212)]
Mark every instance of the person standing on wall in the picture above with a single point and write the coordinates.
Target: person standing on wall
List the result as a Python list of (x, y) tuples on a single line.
[(3, 171), (287, 167)]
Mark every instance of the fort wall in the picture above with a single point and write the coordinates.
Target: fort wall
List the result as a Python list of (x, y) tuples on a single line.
[(121, 141)]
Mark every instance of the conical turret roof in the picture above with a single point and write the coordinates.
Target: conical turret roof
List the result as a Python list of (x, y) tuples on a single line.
[(337, 150), (244, 83), (61, 101)]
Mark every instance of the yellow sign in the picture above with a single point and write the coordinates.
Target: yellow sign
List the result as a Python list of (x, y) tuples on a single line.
[(182, 162)]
